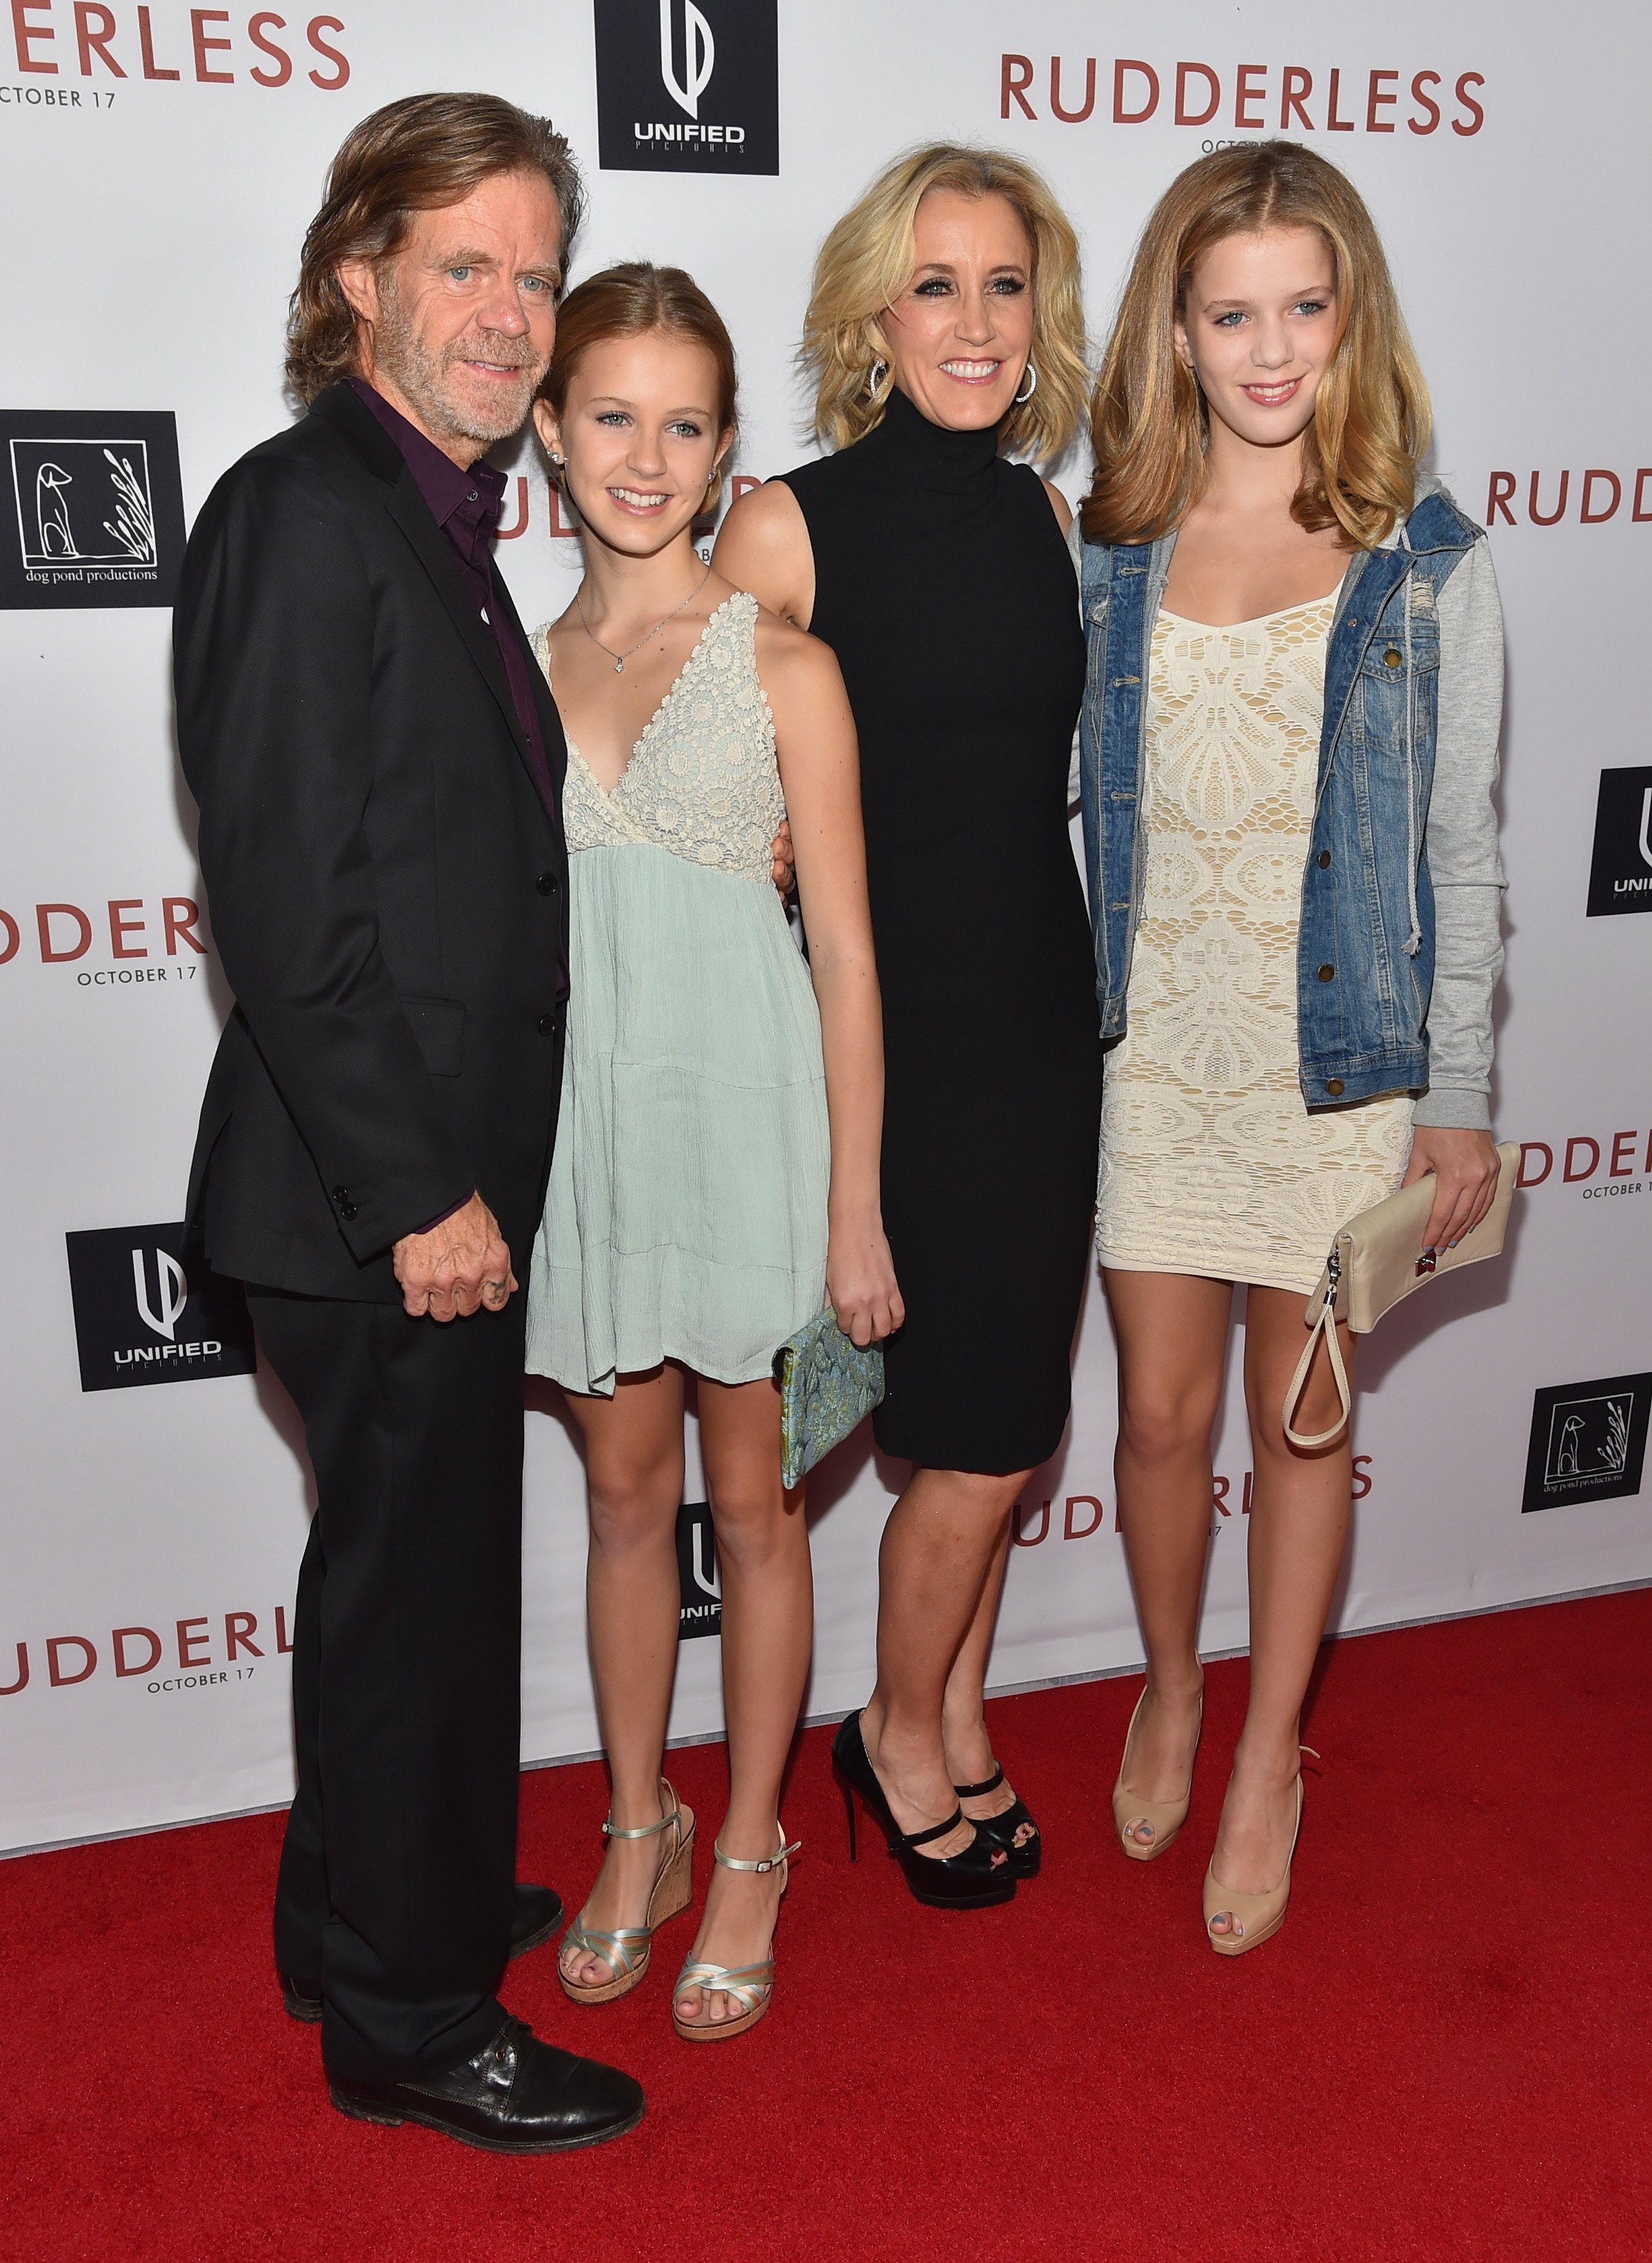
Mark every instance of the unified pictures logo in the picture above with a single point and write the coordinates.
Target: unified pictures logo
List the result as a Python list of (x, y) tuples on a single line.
[(140, 1318), (1587, 1442), (682, 87), (701, 1587), (96, 515), (1620, 872)]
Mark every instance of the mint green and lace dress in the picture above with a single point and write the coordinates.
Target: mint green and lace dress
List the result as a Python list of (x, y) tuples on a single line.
[(686, 1215)]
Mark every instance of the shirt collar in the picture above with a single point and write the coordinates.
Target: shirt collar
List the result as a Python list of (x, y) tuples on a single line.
[(447, 489)]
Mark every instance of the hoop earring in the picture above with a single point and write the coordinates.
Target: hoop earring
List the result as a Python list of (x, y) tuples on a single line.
[(875, 377), (1031, 374)]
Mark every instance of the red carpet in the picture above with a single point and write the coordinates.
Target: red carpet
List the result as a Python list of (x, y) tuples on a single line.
[(1444, 2053)]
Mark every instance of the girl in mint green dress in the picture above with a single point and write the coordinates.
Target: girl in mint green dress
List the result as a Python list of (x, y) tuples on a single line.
[(686, 1213), (715, 1178)]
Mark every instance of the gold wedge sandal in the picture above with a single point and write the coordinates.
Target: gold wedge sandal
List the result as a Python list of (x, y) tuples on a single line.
[(751, 1985), (1257, 1918), (1164, 1817), (626, 1950)]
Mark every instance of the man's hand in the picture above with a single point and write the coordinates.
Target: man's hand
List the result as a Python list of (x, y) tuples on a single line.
[(785, 868), (1465, 1169), (459, 1264)]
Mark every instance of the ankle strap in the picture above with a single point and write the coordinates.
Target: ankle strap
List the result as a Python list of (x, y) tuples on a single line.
[(937, 1831), (611, 1830), (769, 1862), (980, 1791)]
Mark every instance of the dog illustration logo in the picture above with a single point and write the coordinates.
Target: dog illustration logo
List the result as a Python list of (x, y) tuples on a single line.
[(84, 506), (1587, 1443), (1589, 1438)]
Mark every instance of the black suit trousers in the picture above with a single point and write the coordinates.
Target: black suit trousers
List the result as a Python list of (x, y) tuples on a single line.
[(397, 1870)]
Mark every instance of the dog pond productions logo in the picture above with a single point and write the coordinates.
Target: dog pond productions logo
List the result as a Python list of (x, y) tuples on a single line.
[(701, 1611), (97, 511), (1620, 874), (140, 1318), (688, 88), (1587, 1442)]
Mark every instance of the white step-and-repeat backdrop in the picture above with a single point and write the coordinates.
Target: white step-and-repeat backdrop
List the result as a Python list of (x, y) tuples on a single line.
[(161, 163)]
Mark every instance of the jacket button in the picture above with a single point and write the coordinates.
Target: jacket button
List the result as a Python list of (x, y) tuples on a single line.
[(341, 1194), (1327, 973), (1324, 859), (348, 1211), (548, 1024), (546, 884), (1392, 656), (1333, 1086)]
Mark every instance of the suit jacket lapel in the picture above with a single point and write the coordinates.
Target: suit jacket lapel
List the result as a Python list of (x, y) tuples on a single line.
[(551, 733), (406, 506), (412, 514)]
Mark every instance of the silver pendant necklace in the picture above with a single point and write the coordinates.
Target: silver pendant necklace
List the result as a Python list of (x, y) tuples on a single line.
[(620, 658)]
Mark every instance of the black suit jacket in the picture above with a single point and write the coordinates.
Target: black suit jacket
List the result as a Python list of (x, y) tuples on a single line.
[(388, 889)]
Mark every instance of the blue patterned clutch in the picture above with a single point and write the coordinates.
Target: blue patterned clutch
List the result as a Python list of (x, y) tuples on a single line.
[(827, 1385)]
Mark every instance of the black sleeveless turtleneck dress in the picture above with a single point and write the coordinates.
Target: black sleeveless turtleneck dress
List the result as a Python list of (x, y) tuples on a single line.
[(944, 587)]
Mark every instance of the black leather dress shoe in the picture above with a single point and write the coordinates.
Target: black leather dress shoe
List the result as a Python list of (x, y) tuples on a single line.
[(519, 2095), (535, 1915), (302, 1997)]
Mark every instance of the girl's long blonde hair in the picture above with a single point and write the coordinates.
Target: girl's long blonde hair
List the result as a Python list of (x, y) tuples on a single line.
[(867, 261), (1148, 419)]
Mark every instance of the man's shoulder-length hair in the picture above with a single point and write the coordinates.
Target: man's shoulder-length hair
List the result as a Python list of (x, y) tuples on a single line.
[(413, 156)]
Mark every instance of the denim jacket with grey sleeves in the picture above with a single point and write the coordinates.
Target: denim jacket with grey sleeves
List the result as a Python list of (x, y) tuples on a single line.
[(1399, 944)]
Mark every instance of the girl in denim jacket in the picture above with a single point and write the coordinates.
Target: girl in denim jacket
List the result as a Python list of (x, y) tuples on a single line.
[(1288, 752)]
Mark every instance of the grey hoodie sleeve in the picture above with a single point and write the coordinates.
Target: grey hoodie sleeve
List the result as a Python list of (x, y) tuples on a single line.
[(1461, 842)]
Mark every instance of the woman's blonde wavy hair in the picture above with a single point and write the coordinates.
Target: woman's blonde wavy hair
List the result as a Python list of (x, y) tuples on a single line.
[(867, 259), (1148, 420)]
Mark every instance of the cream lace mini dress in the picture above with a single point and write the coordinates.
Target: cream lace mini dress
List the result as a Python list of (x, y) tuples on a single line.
[(686, 1215), (1210, 1162)]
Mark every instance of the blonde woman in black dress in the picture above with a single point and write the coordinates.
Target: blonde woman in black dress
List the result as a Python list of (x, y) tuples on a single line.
[(946, 328)]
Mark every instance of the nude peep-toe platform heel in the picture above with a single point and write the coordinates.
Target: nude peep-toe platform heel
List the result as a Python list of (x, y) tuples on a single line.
[(1257, 1917), (751, 1985), (1164, 1817), (627, 1948)]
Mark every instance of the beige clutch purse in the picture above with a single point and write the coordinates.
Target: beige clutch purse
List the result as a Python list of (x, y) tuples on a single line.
[(1378, 1258)]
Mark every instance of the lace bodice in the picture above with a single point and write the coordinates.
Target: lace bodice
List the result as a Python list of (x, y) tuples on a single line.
[(702, 781), (1211, 1163)]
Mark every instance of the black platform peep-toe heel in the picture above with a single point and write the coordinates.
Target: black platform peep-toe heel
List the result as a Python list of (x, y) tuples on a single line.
[(979, 1878), (1025, 1854)]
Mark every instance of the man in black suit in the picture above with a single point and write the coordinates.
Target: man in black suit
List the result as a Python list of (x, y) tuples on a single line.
[(379, 767)]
